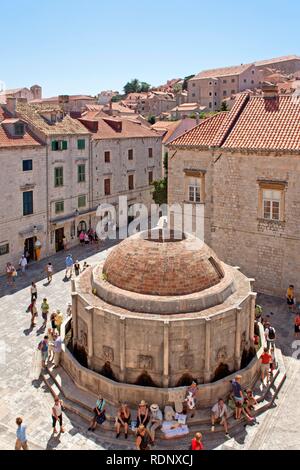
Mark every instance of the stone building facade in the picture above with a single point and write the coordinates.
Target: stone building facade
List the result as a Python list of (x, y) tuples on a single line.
[(243, 167)]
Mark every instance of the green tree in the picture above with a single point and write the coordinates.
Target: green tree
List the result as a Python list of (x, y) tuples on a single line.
[(117, 98), (166, 162), (160, 191), (152, 120), (224, 106), (185, 82), (133, 86), (144, 87)]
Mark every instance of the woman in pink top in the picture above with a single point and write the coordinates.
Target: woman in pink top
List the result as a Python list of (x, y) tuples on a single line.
[(81, 237)]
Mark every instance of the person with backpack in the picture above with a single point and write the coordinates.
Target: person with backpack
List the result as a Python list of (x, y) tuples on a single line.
[(43, 347), (270, 335)]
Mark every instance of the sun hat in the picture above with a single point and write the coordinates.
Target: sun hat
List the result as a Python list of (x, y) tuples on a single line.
[(143, 403), (154, 407)]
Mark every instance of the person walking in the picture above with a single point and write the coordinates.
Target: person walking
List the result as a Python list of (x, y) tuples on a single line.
[(81, 238), (59, 318), (265, 360), (43, 347), (57, 415), (33, 291), (270, 335), (50, 335), (297, 325), (9, 274), (77, 268), (49, 271), (86, 239), (57, 348), (290, 298), (21, 442), (23, 264), (45, 311), (69, 266), (52, 320), (197, 442), (34, 313)]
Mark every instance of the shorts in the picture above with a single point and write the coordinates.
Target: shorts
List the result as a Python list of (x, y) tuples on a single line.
[(238, 401), (264, 367), (45, 315), (45, 355), (290, 301), (59, 418)]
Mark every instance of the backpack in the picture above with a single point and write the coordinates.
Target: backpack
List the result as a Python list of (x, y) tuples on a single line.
[(40, 346), (271, 333)]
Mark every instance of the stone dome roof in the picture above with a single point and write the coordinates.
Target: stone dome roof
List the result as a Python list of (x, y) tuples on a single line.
[(150, 263)]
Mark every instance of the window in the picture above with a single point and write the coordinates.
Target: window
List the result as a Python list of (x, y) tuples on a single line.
[(81, 173), (27, 165), (59, 207), (210, 93), (253, 72), (4, 249), (215, 103), (107, 187), (150, 152), (59, 145), (224, 81), (130, 182), (107, 157), (245, 80), (58, 176), (233, 92), (194, 190), (19, 128), (271, 204), (82, 201), (210, 83), (28, 202), (81, 227), (193, 95), (210, 105), (224, 93), (252, 81), (81, 144), (194, 84), (150, 177), (130, 154), (233, 80)]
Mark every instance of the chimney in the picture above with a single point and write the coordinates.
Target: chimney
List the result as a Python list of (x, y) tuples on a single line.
[(11, 105), (197, 118), (110, 108), (270, 90)]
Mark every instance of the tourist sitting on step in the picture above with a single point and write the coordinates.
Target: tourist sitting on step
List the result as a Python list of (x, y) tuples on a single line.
[(123, 419), (155, 421), (143, 438), (142, 414), (219, 413), (249, 402), (99, 414)]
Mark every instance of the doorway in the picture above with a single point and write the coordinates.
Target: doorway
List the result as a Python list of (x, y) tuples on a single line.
[(59, 235), (29, 247)]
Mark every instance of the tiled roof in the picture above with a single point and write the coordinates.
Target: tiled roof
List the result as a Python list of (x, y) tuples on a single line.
[(254, 123), (267, 124), (107, 129), (6, 140), (222, 72), (201, 135), (32, 114), (277, 59)]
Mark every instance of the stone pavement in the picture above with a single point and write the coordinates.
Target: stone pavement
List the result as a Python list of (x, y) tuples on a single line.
[(21, 395)]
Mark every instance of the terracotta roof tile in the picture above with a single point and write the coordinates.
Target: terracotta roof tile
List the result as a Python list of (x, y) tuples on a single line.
[(222, 72), (201, 135), (7, 140), (107, 129)]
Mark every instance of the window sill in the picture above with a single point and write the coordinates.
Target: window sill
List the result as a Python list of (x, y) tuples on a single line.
[(196, 203)]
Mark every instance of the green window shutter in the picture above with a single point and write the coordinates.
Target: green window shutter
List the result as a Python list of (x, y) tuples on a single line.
[(64, 145), (54, 145), (81, 144)]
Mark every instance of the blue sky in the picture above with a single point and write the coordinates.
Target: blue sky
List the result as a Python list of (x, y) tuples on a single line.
[(87, 46)]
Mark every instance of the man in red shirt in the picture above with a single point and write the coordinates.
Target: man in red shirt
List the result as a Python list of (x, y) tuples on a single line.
[(265, 359), (196, 442)]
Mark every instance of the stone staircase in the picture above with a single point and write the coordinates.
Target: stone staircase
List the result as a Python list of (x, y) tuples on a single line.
[(80, 403)]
